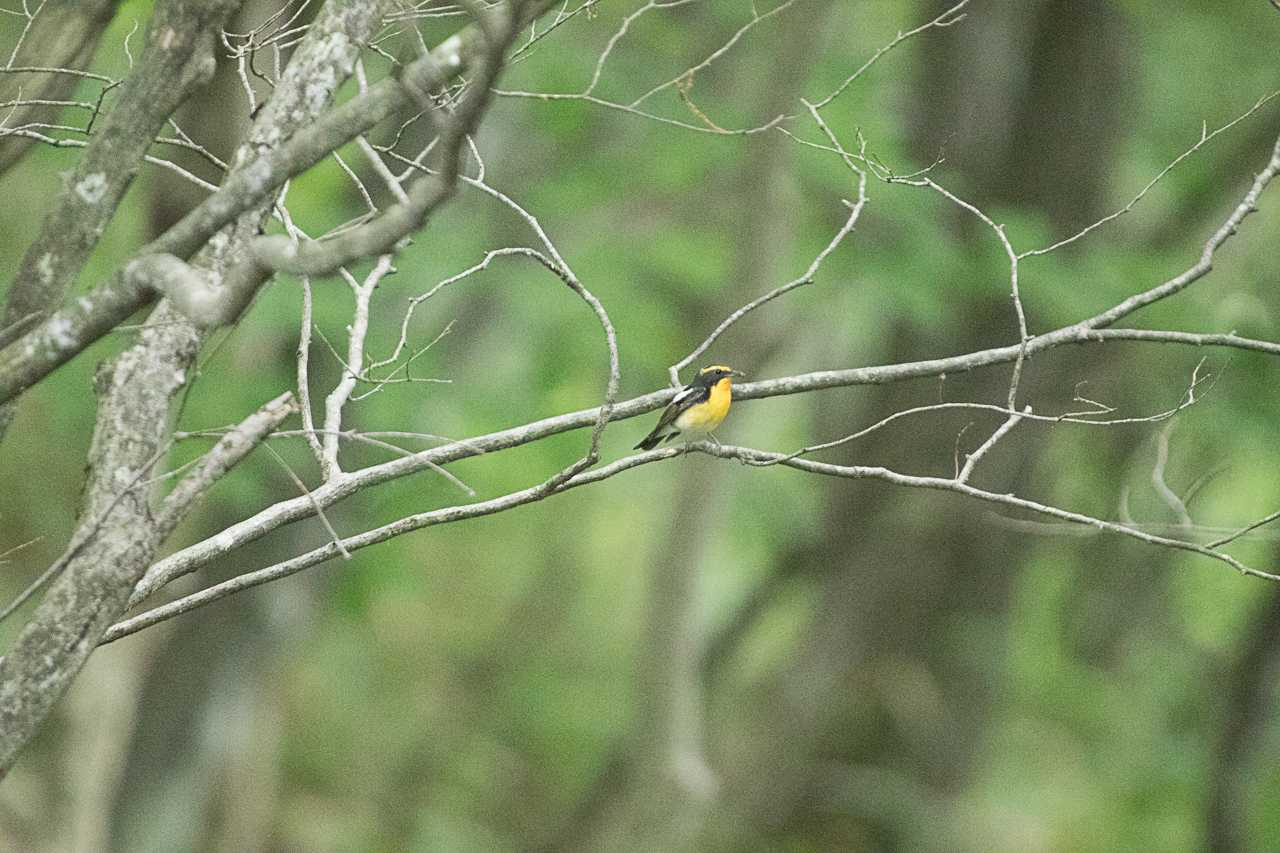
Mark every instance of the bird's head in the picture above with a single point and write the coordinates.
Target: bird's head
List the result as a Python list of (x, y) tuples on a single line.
[(709, 376)]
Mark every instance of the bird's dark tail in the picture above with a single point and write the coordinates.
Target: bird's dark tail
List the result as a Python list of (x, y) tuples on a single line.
[(650, 441)]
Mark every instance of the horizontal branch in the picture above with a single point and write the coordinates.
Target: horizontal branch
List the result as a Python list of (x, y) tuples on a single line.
[(375, 536), (947, 484), (750, 456), (284, 512), (1090, 330)]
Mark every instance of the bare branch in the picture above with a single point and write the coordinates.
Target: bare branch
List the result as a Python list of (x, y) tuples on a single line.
[(1248, 528), (320, 513), (956, 485), (560, 267), (692, 71), (380, 534), (680, 82), (357, 330), (1248, 205), (61, 37), (1205, 136), (284, 512), (855, 211), (381, 234), (303, 368), (972, 459), (68, 331), (178, 59), (230, 449), (946, 19), (757, 458)]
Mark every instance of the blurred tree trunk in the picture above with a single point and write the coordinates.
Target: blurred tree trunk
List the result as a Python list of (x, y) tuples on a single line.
[(1247, 708), (1029, 105), (876, 680), (655, 791), (887, 691), (63, 34)]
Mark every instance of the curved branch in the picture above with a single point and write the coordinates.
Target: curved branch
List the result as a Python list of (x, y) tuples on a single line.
[(178, 59), (70, 330)]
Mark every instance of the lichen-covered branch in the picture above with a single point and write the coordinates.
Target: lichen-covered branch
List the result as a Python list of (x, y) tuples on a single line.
[(177, 60), (135, 391), (68, 331), (94, 586)]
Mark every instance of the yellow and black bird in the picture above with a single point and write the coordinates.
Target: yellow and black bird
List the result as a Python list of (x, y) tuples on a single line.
[(698, 408)]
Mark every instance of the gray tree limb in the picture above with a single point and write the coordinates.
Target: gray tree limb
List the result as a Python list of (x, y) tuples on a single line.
[(135, 392), (102, 568), (68, 331), (62, 38), (750, 456), (284, 512), (177, 60)]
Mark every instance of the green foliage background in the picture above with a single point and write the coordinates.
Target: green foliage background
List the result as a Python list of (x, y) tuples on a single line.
[(464, 688)]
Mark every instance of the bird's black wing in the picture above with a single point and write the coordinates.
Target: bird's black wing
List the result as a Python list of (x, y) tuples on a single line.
[(689, 396)]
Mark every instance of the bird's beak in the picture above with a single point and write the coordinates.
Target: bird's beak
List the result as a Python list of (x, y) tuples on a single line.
[(738, 373)]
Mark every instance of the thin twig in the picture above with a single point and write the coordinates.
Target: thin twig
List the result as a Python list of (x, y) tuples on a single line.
[(448, 515)]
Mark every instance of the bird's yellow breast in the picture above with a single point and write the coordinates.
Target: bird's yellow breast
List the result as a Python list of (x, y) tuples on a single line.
[(706, 416)]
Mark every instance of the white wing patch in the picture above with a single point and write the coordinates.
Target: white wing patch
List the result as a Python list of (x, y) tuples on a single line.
[(684, 394)]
